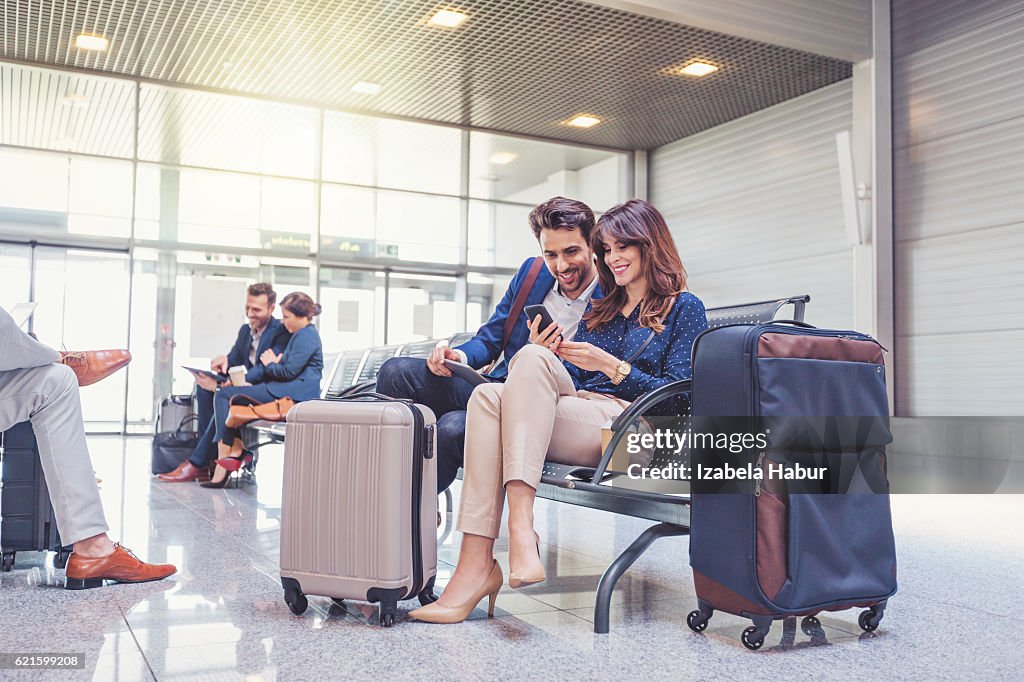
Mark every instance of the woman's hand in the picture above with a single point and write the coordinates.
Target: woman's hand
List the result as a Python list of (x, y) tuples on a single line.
[(269, 357), (549, 337), (589, 357)]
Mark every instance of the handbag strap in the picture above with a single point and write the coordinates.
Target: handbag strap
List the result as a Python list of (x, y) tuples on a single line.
[(520, 301), (642, 348)]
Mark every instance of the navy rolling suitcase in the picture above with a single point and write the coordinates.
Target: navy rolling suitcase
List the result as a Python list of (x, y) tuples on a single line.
[(810, 530), (26, 515)]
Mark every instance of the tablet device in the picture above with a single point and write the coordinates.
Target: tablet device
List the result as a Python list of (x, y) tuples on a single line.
[(21, 312), (532, 311), (207, 373), (466, 372)]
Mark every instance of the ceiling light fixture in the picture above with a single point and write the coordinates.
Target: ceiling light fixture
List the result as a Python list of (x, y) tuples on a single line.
[(366, 88), (86, 41), (503, 158), (698, 69), (583, 121), (75, 100), (447, 18)]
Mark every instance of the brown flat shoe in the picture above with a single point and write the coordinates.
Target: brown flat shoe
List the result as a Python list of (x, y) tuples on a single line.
[(186, 472), (83, 573), (92, 365)]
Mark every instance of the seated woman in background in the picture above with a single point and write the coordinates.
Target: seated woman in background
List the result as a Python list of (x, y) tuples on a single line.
[(558, 394), (294, 373)]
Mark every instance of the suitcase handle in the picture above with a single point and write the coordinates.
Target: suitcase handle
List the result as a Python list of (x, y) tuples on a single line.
[(796, 323), (371, 395)]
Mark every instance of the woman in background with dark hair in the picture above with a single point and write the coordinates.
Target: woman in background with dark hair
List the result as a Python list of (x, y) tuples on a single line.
[(294, 373), (558, 394)]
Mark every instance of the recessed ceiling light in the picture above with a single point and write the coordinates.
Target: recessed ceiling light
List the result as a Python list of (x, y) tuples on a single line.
[(91, 42), (583, 121), (503, 158), (698, 69), (447, 18), (366, 88), (227, 65), (75, 100)]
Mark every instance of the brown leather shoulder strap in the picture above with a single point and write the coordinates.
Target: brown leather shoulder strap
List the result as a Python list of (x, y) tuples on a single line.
[(520, 302)]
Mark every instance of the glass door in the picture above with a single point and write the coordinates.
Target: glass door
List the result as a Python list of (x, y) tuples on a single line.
[(83, 305)]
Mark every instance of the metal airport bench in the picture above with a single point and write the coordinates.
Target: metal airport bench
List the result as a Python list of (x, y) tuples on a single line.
[(355, 371)]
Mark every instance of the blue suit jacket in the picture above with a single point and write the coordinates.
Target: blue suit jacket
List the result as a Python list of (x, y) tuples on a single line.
[(298, 374), (274, 336), (485, 347)]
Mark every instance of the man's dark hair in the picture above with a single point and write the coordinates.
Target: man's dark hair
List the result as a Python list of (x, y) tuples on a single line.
[(264, 289), (559, 213)]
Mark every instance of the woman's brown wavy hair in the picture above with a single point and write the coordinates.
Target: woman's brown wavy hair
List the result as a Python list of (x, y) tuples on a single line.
[(637, 222)]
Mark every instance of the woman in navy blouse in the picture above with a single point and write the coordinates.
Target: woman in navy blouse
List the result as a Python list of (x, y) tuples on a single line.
[(293, 373), (558, 395)]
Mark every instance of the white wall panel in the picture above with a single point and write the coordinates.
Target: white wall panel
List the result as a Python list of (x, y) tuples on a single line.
[(959, 207), (836, 28), (755, 206)]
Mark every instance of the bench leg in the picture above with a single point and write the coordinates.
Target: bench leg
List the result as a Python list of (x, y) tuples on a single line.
[(622, 564)]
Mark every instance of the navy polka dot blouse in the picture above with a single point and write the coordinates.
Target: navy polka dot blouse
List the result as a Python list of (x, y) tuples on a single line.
[(666, 358)]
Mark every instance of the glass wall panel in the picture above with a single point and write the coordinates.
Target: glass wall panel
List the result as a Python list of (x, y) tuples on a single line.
[(484, 294), (353, 309), (359, 223), (531, 171), (192, 128), (500, 234), (420, 307), (387, 153), (15, 272)]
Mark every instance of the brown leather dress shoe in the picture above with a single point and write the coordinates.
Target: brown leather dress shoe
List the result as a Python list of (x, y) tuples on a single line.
[(83, 573), (186, 471), (92, 365)]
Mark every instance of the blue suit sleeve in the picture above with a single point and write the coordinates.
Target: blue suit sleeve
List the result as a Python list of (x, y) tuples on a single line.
[(688, 320), (296, 356), (256, 373), (240, 351), (485, 347)]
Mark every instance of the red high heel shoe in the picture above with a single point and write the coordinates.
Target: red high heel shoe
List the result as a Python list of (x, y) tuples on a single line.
[(230, 465)]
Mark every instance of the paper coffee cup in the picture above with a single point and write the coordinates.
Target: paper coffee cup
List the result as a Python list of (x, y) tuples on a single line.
[(237, 374)]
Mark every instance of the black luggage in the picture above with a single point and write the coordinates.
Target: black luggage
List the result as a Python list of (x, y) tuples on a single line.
[(26, 515), (171, 448), (173, 409), (809, 528)]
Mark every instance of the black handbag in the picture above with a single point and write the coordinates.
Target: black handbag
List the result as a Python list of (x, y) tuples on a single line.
[(171, 448)]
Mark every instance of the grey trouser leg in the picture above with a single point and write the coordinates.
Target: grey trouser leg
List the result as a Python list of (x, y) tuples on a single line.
[(34, 389)]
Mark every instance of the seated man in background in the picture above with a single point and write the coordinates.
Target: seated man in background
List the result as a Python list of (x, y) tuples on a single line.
[(40, 385), (261, 333), (562, 227)]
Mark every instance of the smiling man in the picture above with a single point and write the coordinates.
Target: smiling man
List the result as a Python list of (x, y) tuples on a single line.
[(562, 228)]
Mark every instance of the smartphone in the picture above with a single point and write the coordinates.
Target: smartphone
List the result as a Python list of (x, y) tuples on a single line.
[(532, 311)]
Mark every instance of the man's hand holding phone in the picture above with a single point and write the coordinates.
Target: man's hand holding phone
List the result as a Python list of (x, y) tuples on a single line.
[(435, 363), (544, 331)]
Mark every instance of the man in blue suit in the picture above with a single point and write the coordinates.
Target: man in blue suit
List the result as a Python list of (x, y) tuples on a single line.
[(261, 332), (562, 228)]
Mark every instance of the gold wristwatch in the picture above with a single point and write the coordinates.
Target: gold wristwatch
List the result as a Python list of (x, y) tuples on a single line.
[(621, 372)]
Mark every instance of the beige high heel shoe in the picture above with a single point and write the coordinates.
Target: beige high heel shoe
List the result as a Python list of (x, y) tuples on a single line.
[(515, 581), (435, 613)]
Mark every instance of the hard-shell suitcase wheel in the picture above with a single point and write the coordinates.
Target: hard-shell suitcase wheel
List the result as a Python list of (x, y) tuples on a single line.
[(388, 613), (293, 597)]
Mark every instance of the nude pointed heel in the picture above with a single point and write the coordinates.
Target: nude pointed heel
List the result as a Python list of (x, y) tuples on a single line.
[(435, 613), (515, 581)]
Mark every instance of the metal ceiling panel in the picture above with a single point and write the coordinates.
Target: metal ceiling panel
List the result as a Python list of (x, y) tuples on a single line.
[(522, 67)]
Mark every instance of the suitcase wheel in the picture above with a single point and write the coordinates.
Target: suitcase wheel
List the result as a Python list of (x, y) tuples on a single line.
[(8, 561), (60, 558), (869, 620), (296, 601), (698, 619), (752, 638), (388, 613), (810, 626)]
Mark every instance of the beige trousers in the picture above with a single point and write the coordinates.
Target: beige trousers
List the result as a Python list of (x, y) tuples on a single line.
[(512, 427)]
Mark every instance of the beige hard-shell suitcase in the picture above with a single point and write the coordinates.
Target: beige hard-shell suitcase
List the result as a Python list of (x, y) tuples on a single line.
[(359, 506)]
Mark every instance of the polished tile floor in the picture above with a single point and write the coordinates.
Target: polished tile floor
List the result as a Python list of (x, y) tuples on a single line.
[(958, 613)]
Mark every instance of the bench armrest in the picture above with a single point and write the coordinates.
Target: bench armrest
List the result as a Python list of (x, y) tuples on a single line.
[(637, 409)]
